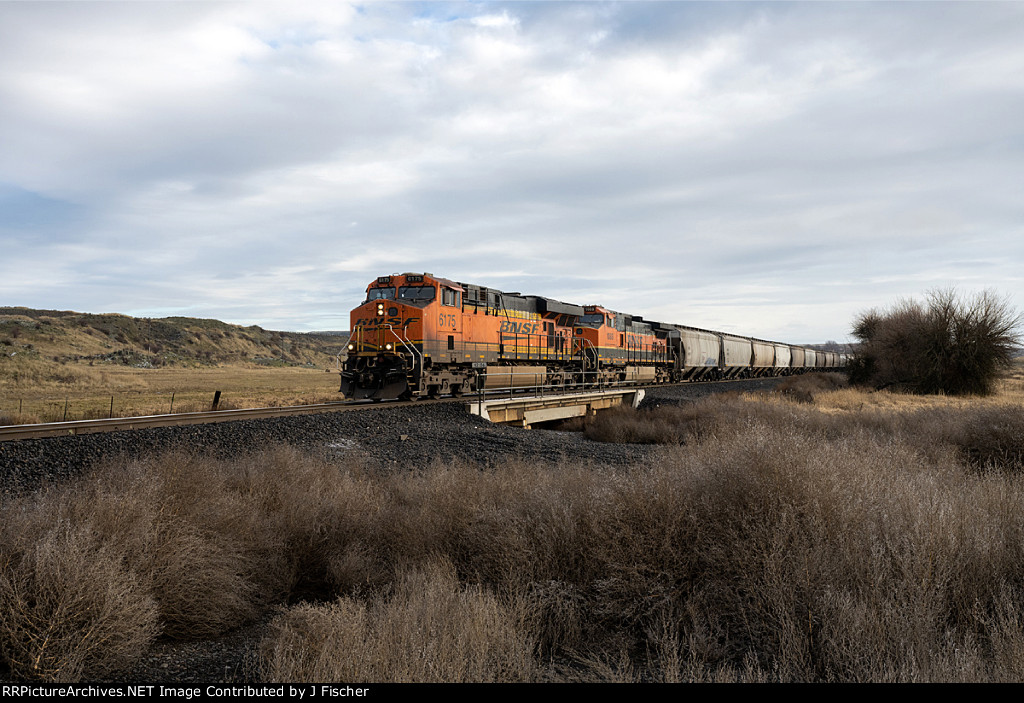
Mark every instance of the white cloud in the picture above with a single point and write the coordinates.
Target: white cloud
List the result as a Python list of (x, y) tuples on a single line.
[(771, 166)]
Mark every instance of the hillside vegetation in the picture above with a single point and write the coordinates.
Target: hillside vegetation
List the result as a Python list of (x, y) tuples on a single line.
[(50, 359), (63, 337)]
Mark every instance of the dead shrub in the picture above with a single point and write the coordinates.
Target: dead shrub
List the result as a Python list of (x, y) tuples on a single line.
[(804, 387), (949, 344), (780, 543), (191, 538), (329, 520), (70, 609), (669, 424), (993, 438), (431, 629), (183, 526)]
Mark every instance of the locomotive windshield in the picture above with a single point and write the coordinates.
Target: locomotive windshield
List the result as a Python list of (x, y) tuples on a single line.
[(591, 320), (378, 293), (416, 293)]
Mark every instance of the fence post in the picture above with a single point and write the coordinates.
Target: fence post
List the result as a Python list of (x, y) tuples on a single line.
[(171, 411), (216, 400), (111, 413)]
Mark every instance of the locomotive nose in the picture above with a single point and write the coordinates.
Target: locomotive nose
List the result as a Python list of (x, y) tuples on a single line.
[(377, 367)]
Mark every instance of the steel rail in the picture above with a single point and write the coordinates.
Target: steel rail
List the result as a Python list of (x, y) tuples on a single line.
[(77, 427)]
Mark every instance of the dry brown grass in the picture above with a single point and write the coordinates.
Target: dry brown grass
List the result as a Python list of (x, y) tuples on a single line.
[(806, 387), (69, 609), (87, 392), (781, 542), (761, 553), (1009, 392), (430, 629), (207, 544)]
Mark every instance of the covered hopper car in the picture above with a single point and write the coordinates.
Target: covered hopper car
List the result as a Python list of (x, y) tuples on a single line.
[(419, 335)]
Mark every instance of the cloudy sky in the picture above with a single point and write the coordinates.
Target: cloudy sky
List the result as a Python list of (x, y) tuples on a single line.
[(769, 169)]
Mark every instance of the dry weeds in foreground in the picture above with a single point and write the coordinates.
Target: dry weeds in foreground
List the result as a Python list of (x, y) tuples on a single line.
[(779, 543), (429, 628)]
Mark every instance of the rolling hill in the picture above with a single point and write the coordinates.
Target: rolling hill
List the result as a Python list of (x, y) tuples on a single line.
[(62, 337)]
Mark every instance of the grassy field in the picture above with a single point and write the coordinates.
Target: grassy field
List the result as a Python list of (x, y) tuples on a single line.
[(134, 392), (148, 391), (815, 534)]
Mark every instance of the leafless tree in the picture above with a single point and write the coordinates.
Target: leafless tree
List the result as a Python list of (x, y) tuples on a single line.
[(947, 344)]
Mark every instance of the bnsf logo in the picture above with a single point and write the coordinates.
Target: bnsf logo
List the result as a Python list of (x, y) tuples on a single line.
[(374, 321), (513, 327)]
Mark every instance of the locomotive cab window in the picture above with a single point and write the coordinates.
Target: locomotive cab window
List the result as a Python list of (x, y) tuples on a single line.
[(380, 293), (416, 293)]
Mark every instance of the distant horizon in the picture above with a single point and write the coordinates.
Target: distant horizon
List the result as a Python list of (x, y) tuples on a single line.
[(324, 331)]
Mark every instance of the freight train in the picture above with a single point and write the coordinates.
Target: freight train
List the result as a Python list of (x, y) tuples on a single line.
[(419, 335)]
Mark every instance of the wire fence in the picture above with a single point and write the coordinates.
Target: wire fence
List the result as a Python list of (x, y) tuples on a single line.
[(28, 410)]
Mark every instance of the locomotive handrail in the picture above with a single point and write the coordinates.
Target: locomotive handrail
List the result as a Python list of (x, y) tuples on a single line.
[(408, 345), (356, 338), (583, 356)]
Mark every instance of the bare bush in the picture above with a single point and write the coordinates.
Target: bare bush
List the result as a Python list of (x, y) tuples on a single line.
[(949, 344), (70, 609), (431, 629), (668, 424), (779, 543), (986, 439), (188, 534), (805, 387)]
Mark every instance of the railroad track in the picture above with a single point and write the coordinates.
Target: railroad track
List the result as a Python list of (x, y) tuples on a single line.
[(79, 427)]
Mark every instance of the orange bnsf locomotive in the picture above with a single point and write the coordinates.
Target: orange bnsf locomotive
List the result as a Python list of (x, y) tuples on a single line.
[(418, 335)]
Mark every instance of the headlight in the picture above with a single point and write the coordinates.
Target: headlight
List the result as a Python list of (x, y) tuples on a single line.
[(351, 347), (388, 346), (380, 308)]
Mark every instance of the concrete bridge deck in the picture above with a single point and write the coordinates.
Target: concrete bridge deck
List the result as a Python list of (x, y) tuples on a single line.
[(524, 411)]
